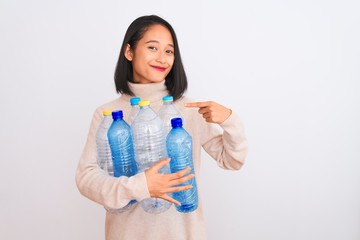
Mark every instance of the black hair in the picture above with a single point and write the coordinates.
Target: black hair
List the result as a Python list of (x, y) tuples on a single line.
[(176, 80)]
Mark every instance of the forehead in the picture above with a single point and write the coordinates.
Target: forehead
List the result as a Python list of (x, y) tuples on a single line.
[(158, 33)]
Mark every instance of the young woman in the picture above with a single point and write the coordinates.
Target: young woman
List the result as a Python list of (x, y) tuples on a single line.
[(150, 67)]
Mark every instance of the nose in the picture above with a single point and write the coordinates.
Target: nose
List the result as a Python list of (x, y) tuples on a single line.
[(160, 58)]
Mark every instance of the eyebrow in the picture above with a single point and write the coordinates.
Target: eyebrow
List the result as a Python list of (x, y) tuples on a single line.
[(154, 41)]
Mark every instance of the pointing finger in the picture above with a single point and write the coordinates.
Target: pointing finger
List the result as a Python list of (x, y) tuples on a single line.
[(197, 104)]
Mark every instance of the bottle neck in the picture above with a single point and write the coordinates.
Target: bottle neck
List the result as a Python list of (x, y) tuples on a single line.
[(167, 103), (117, 119), (145, 107), (108, 117)]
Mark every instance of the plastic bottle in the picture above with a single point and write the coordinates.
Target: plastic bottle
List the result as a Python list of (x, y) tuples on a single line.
[(122, 148), (167, 112), (150, 148), (134, 102), (104, 158), (179, 147)]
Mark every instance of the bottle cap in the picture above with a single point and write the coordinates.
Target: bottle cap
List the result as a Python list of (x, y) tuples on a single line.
[(143, 103), (176, 122), (168, 99), (117, 114), (134, 101), (107, 112)]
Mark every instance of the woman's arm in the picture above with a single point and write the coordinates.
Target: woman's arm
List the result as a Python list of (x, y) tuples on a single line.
[(228, 144)]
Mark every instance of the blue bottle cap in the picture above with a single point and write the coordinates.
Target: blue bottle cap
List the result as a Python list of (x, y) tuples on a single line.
[(134, 101), (176, 122), (168, 99), (117, 114)]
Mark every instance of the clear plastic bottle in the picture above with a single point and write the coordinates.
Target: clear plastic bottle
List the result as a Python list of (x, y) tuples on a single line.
[(167, 112), (122, 148), (150, 148), (134, 102), (104, 158), (179, 147)]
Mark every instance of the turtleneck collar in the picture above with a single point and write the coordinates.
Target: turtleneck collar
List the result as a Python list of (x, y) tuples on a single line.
[(154, 92)]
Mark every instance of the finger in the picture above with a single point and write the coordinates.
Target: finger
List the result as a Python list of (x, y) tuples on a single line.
[(180, 174), (156, 167), (181, 180), (207, 115), (178, 188), (203, 110), (197, 104), (209, 120), (170, 199)]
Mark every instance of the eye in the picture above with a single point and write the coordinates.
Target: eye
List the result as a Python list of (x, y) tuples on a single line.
[(169, 52), (152, 48)]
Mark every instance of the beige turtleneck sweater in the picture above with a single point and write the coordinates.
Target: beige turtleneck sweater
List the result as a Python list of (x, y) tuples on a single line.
[(226, 144)]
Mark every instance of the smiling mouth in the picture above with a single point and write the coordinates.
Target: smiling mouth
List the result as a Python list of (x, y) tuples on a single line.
[(161, 69)]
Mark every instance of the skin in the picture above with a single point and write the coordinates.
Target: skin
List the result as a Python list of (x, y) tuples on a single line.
[(152, 60), (211, 111), (153, 57)]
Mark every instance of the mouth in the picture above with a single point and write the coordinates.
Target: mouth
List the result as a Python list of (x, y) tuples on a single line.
[(161, 69)]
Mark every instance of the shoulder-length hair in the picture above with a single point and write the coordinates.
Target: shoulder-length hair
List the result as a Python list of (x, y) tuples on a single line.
[(175, 81)]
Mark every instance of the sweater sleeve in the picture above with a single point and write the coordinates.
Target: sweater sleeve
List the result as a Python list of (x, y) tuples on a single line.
[(97, 185), (227, 144)]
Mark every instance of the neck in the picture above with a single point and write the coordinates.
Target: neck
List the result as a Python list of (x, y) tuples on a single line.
[(154, 92)]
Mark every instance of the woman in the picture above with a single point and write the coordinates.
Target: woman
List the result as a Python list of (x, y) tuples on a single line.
[(150, 67)]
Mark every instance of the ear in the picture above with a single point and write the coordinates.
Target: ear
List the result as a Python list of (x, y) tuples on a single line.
[(128, 53)]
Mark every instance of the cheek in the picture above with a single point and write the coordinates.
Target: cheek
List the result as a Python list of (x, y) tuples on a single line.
[(171, 61)]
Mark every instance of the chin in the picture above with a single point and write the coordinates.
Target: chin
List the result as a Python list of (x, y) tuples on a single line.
[(156, 80)]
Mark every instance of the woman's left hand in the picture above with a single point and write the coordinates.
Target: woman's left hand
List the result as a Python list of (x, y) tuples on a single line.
[(211, 111)]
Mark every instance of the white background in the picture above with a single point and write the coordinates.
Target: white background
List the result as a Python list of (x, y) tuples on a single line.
[(290, 69)]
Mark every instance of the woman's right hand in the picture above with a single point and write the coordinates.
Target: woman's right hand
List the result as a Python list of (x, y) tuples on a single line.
[(161, 184)]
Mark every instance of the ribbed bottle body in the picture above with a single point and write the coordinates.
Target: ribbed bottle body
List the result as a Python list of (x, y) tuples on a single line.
[(122, 151), (150, 148), (104, 157), (148, 143), (179, 147)]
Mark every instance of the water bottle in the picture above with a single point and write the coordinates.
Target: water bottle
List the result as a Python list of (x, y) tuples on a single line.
[(150, 148), (167, 112), (134, 102), (122, 148), (104, 158), (179, 147)]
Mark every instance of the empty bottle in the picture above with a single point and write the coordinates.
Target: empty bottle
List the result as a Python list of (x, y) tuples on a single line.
[(150, 148), (134, 102), (122, 148), (179, 147), (104, 158), (167, 112)]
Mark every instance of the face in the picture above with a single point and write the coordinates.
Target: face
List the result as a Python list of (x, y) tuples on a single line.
[(153, 57)]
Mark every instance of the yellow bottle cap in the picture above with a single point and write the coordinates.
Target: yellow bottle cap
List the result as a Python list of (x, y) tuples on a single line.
[(107, 112), (144, 103)]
